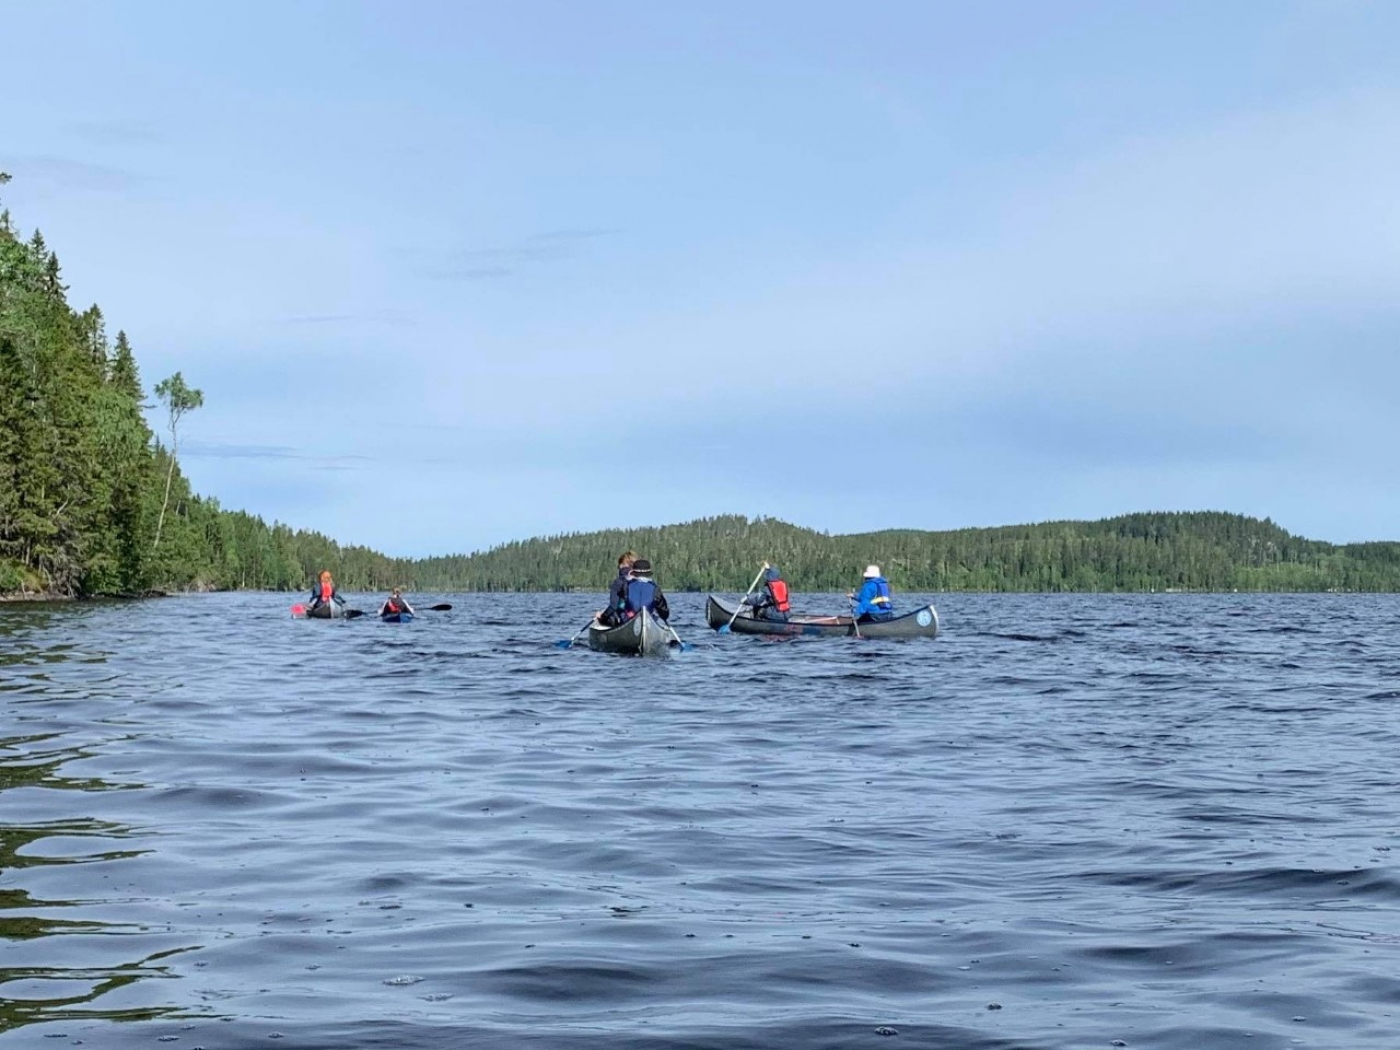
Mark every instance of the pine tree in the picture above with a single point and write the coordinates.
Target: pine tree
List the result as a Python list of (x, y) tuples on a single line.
[(178, 400)]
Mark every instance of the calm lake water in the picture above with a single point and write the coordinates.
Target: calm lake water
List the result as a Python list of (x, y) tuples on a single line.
[(1162, 821)]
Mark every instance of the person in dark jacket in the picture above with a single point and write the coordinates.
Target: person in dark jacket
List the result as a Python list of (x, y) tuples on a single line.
[(643, 593), (615, 612), (770, 602), (325, 591), (873, 603)]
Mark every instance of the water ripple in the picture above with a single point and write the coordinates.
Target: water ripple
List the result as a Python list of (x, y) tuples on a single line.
[(1157, 821)]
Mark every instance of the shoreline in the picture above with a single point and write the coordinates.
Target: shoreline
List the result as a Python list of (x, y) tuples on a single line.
[(37, 597)]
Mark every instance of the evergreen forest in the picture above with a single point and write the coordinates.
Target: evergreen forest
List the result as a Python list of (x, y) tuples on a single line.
[(93, 502), (1198, 551)]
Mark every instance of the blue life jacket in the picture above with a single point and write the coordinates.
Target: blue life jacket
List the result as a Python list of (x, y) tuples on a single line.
[(874, 599), (641, 594)]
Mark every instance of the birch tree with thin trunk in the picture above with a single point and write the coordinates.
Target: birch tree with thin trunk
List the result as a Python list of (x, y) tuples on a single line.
[(178, 399)]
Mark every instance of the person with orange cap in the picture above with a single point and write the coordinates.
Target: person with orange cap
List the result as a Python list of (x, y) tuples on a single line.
[(324, 591), (873, 603)]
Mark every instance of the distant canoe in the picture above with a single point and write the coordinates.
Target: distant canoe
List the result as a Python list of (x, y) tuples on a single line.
[(643, 635), (397, 617), (921, 623)]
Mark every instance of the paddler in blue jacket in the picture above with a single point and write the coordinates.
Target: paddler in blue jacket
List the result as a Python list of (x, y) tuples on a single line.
[(873, 602), (643, 593)]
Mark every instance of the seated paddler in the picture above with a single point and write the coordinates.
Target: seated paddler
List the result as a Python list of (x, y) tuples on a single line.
[(616, 610), (872, 602), (643, 593), (325, 591), (396, 603), (770, 602)]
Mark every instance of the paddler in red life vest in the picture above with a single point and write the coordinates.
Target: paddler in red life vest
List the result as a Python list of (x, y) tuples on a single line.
[(771, 601), (324, 591), (396, 603)]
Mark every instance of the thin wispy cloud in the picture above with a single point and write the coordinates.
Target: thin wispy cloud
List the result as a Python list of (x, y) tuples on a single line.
[(314, 319), (541, 247), (493, 263), (568, 236), (448, 272), (394, 318), (229, 450), (114, 132), (67, 174)]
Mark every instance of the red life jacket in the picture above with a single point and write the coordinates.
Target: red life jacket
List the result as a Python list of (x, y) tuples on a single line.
[(327, 589), (778, 589)]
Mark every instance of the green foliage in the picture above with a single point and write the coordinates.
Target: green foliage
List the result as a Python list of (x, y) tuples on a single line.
[(90, 502), (178, 398), (1206, 551), (11, 578)]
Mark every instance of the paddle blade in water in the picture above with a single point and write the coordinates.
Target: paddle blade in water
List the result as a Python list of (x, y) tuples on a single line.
[(723, 628), (569, 644), (441, 607)]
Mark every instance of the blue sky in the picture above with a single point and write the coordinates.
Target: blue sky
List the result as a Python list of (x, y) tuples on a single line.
[(453, 274)]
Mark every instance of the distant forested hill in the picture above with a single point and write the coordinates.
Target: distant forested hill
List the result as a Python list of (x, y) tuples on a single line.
[(1207, 551)]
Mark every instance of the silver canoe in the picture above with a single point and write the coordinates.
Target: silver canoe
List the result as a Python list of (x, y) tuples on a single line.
[(643, 635), (920, 623)]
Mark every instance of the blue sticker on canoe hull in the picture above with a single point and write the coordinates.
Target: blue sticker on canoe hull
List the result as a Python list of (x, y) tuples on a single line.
[(925, 617)]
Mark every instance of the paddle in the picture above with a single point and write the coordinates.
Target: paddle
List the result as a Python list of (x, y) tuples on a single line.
[(568, 643), (726, 627), (440, 607), (684, 647), (855, 620)]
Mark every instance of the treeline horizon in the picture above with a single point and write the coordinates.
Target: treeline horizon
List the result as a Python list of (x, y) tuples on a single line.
[(92, 502), (1149, 551)]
